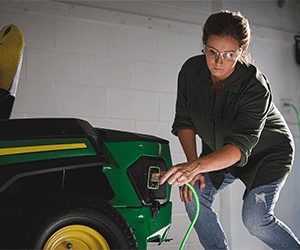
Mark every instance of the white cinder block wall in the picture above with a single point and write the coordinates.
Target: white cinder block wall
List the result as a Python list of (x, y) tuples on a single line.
[(119, 71)]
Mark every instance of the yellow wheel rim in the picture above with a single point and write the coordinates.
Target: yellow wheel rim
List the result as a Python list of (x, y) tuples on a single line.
[(76, 237)]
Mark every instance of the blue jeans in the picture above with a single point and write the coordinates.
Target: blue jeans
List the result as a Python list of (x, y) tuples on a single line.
[(257, 214)]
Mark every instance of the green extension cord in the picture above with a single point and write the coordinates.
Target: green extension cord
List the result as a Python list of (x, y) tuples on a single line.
[(296, 111), (195, 216)]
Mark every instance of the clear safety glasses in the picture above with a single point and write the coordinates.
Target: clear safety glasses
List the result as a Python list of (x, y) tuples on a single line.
[(225, 55)]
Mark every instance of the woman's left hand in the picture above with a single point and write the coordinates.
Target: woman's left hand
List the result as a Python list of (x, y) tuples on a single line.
[(180, 174)]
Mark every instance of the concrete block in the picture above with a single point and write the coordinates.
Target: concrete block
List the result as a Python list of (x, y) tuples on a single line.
[(38, 31), (79, 100), (134, 43), (35, 97), (176, 49), (160, 129), (154, 128), (177, 157), (107, 71), (48, 65), (131, 104), (80, 36), (167, 107), (111, 123), (155, 76)]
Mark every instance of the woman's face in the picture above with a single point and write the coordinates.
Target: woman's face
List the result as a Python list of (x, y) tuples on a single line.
[(222, 53)]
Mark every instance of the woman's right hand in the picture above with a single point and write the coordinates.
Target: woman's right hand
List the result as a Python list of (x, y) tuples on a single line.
[(186, 194)]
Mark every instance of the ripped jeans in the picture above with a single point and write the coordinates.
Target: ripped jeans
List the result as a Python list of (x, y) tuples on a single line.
[(257, 214)]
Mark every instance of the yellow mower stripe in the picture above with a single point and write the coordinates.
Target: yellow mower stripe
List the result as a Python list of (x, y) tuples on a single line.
[(41, 148)]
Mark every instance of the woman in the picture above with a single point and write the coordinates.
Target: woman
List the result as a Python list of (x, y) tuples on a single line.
[(227, 102)]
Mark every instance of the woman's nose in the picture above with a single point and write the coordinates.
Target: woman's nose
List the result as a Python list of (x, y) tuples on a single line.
[(219, 59)]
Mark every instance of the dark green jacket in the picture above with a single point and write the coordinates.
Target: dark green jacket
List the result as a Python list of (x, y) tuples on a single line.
[(243, 114)]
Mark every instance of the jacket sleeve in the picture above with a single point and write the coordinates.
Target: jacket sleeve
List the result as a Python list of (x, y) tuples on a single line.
[(254, 105), (182, 115)]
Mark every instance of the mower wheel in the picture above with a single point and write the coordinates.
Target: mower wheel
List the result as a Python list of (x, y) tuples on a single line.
[(78, 222)]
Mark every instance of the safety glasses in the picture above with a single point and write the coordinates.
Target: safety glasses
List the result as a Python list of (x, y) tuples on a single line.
[(225, 55)]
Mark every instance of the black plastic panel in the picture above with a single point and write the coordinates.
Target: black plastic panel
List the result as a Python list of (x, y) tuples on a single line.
[(138, 174), (44, 128), (116, 135)]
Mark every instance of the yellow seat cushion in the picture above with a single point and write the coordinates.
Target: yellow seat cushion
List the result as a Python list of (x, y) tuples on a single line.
[(11, 50)]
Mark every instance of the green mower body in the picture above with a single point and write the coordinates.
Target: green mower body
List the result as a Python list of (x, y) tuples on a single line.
[(63, 177)]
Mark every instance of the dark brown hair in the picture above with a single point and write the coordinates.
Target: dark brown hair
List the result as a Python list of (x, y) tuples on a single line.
[(226, 23)]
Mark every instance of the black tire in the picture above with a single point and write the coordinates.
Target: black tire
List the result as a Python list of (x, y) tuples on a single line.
[(66, 214)]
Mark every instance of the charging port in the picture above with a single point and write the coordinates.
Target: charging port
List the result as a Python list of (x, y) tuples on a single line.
[(153, 177)]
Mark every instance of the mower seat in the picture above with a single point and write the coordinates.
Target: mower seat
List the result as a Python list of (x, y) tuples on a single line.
[(11, 54)]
